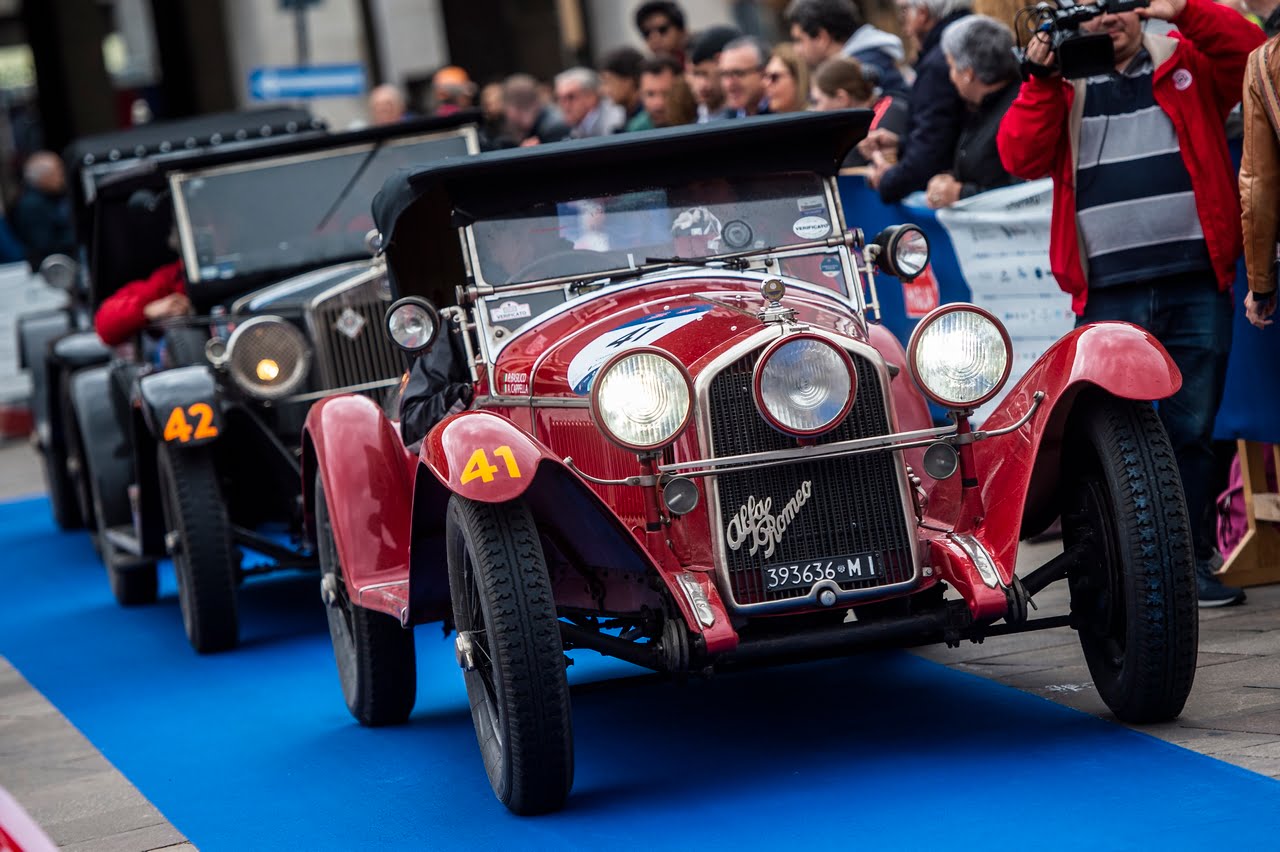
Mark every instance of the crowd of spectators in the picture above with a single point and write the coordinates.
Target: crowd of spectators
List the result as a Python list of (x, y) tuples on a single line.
[(934, 118)]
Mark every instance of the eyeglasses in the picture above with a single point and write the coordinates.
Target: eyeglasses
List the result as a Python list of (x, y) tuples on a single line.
[(660, 29), (738, 73)]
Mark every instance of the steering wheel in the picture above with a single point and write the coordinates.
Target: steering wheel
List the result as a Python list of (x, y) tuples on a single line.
[(568, 262)]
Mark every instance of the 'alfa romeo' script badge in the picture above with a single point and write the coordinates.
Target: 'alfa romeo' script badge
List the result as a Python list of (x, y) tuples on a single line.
[(350, 323), (755, 523)]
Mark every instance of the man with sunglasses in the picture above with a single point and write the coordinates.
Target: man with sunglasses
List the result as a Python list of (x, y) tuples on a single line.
[(661, 25)]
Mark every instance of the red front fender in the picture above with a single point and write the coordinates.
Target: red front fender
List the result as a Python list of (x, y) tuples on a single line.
[(482, 456), (1019, 472), (368, 482)]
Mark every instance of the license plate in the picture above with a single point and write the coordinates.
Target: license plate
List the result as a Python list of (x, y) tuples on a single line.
[(802, 575)]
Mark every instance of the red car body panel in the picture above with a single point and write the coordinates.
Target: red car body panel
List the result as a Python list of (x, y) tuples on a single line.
[(357, 452), (1018, 472)]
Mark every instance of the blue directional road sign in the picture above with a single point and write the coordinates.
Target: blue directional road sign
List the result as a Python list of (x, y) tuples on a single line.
[(270, 83)]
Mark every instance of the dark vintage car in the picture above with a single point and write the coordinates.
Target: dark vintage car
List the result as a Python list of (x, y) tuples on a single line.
[(55, 344), (691, 448), (196, 446)]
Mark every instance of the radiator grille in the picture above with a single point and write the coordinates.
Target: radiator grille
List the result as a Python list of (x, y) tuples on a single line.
[(855, 504), (351, 346)]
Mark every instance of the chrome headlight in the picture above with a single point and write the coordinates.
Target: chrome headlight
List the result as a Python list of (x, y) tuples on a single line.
[(904, 251), (804, 385), (268, 357), (412, 323), (642, 399), (960, 356)]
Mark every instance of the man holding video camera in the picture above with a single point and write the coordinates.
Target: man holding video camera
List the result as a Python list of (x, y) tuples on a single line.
[(1146, 216)]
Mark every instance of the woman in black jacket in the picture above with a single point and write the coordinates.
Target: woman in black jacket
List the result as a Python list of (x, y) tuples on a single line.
[(979, 52)]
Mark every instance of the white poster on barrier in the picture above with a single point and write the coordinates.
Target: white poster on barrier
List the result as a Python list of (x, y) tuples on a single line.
[(20, 293), (1001, 241)]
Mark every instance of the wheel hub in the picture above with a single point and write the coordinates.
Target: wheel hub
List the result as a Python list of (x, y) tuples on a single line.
[(464, 648), (329, 590)]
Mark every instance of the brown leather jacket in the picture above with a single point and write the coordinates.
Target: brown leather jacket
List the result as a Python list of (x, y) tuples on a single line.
[(1260, 172)]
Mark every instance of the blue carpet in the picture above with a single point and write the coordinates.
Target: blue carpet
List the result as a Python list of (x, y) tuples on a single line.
[(255, 750)]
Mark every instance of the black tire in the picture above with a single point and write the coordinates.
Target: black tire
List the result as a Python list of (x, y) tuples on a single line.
[(1134, 602), (62, 495), (76, 463), (377, 664), (202, 554), (135, 586), (518, 690)]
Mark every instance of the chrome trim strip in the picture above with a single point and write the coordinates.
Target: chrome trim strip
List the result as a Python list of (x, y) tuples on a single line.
[(895, 441), (703, 415), (855, 446), (322, 394), (980, 557), (496, 400), (697, 598)]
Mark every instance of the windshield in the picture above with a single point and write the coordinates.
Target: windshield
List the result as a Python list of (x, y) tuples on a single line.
[(688, 220), (295, 212)]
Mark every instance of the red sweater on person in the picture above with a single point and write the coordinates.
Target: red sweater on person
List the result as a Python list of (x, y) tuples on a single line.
[(1198, 79), (121, 315)]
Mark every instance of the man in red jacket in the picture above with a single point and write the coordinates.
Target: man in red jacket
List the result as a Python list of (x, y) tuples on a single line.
[(1146, 216), (126, 312)]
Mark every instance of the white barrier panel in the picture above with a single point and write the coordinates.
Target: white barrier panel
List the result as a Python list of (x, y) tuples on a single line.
[(21, 292), (1001, 242)]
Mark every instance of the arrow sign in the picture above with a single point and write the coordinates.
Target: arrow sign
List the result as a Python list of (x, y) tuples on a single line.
[(269, 83)]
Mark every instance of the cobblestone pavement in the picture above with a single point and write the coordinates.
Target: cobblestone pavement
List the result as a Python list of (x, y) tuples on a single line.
[(84, 803)]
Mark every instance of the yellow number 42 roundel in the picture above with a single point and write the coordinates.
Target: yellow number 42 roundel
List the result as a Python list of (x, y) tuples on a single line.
[(178, 427)]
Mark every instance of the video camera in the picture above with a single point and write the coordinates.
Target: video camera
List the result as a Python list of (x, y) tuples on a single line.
[(1077, 55)]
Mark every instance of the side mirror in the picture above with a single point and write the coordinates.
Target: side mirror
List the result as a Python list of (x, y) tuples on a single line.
[(413, 323), (373, 242), (59, 271), (903, 251)]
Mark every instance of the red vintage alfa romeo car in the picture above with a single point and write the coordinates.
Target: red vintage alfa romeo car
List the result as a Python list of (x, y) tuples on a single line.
[(689, 445)]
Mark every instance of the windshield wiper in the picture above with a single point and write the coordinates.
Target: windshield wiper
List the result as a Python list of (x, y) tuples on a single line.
[(351, 183), (736, 262)]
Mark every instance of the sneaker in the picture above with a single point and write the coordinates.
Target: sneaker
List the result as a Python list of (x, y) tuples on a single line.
[(1214, 593)]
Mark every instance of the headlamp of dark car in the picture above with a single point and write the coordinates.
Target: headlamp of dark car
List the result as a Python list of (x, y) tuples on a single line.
[(804, 385), (268, 357), (960, 356), (642, 399)]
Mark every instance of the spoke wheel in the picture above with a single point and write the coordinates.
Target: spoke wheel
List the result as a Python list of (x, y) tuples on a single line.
[(513, 659), (200, 544), (1134, 601), (377, 664)]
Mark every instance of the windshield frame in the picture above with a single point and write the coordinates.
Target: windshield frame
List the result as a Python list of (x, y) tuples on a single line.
[(182, 218), (494, 338)]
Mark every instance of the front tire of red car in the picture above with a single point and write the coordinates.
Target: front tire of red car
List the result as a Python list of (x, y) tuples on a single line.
[(377, 664), (1134, 598), (503, 605)]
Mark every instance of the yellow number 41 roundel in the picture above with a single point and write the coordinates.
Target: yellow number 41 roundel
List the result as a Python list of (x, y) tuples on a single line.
[(478, 466)]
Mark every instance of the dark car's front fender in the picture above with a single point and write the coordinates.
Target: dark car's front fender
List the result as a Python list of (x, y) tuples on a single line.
[(182, 406)]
